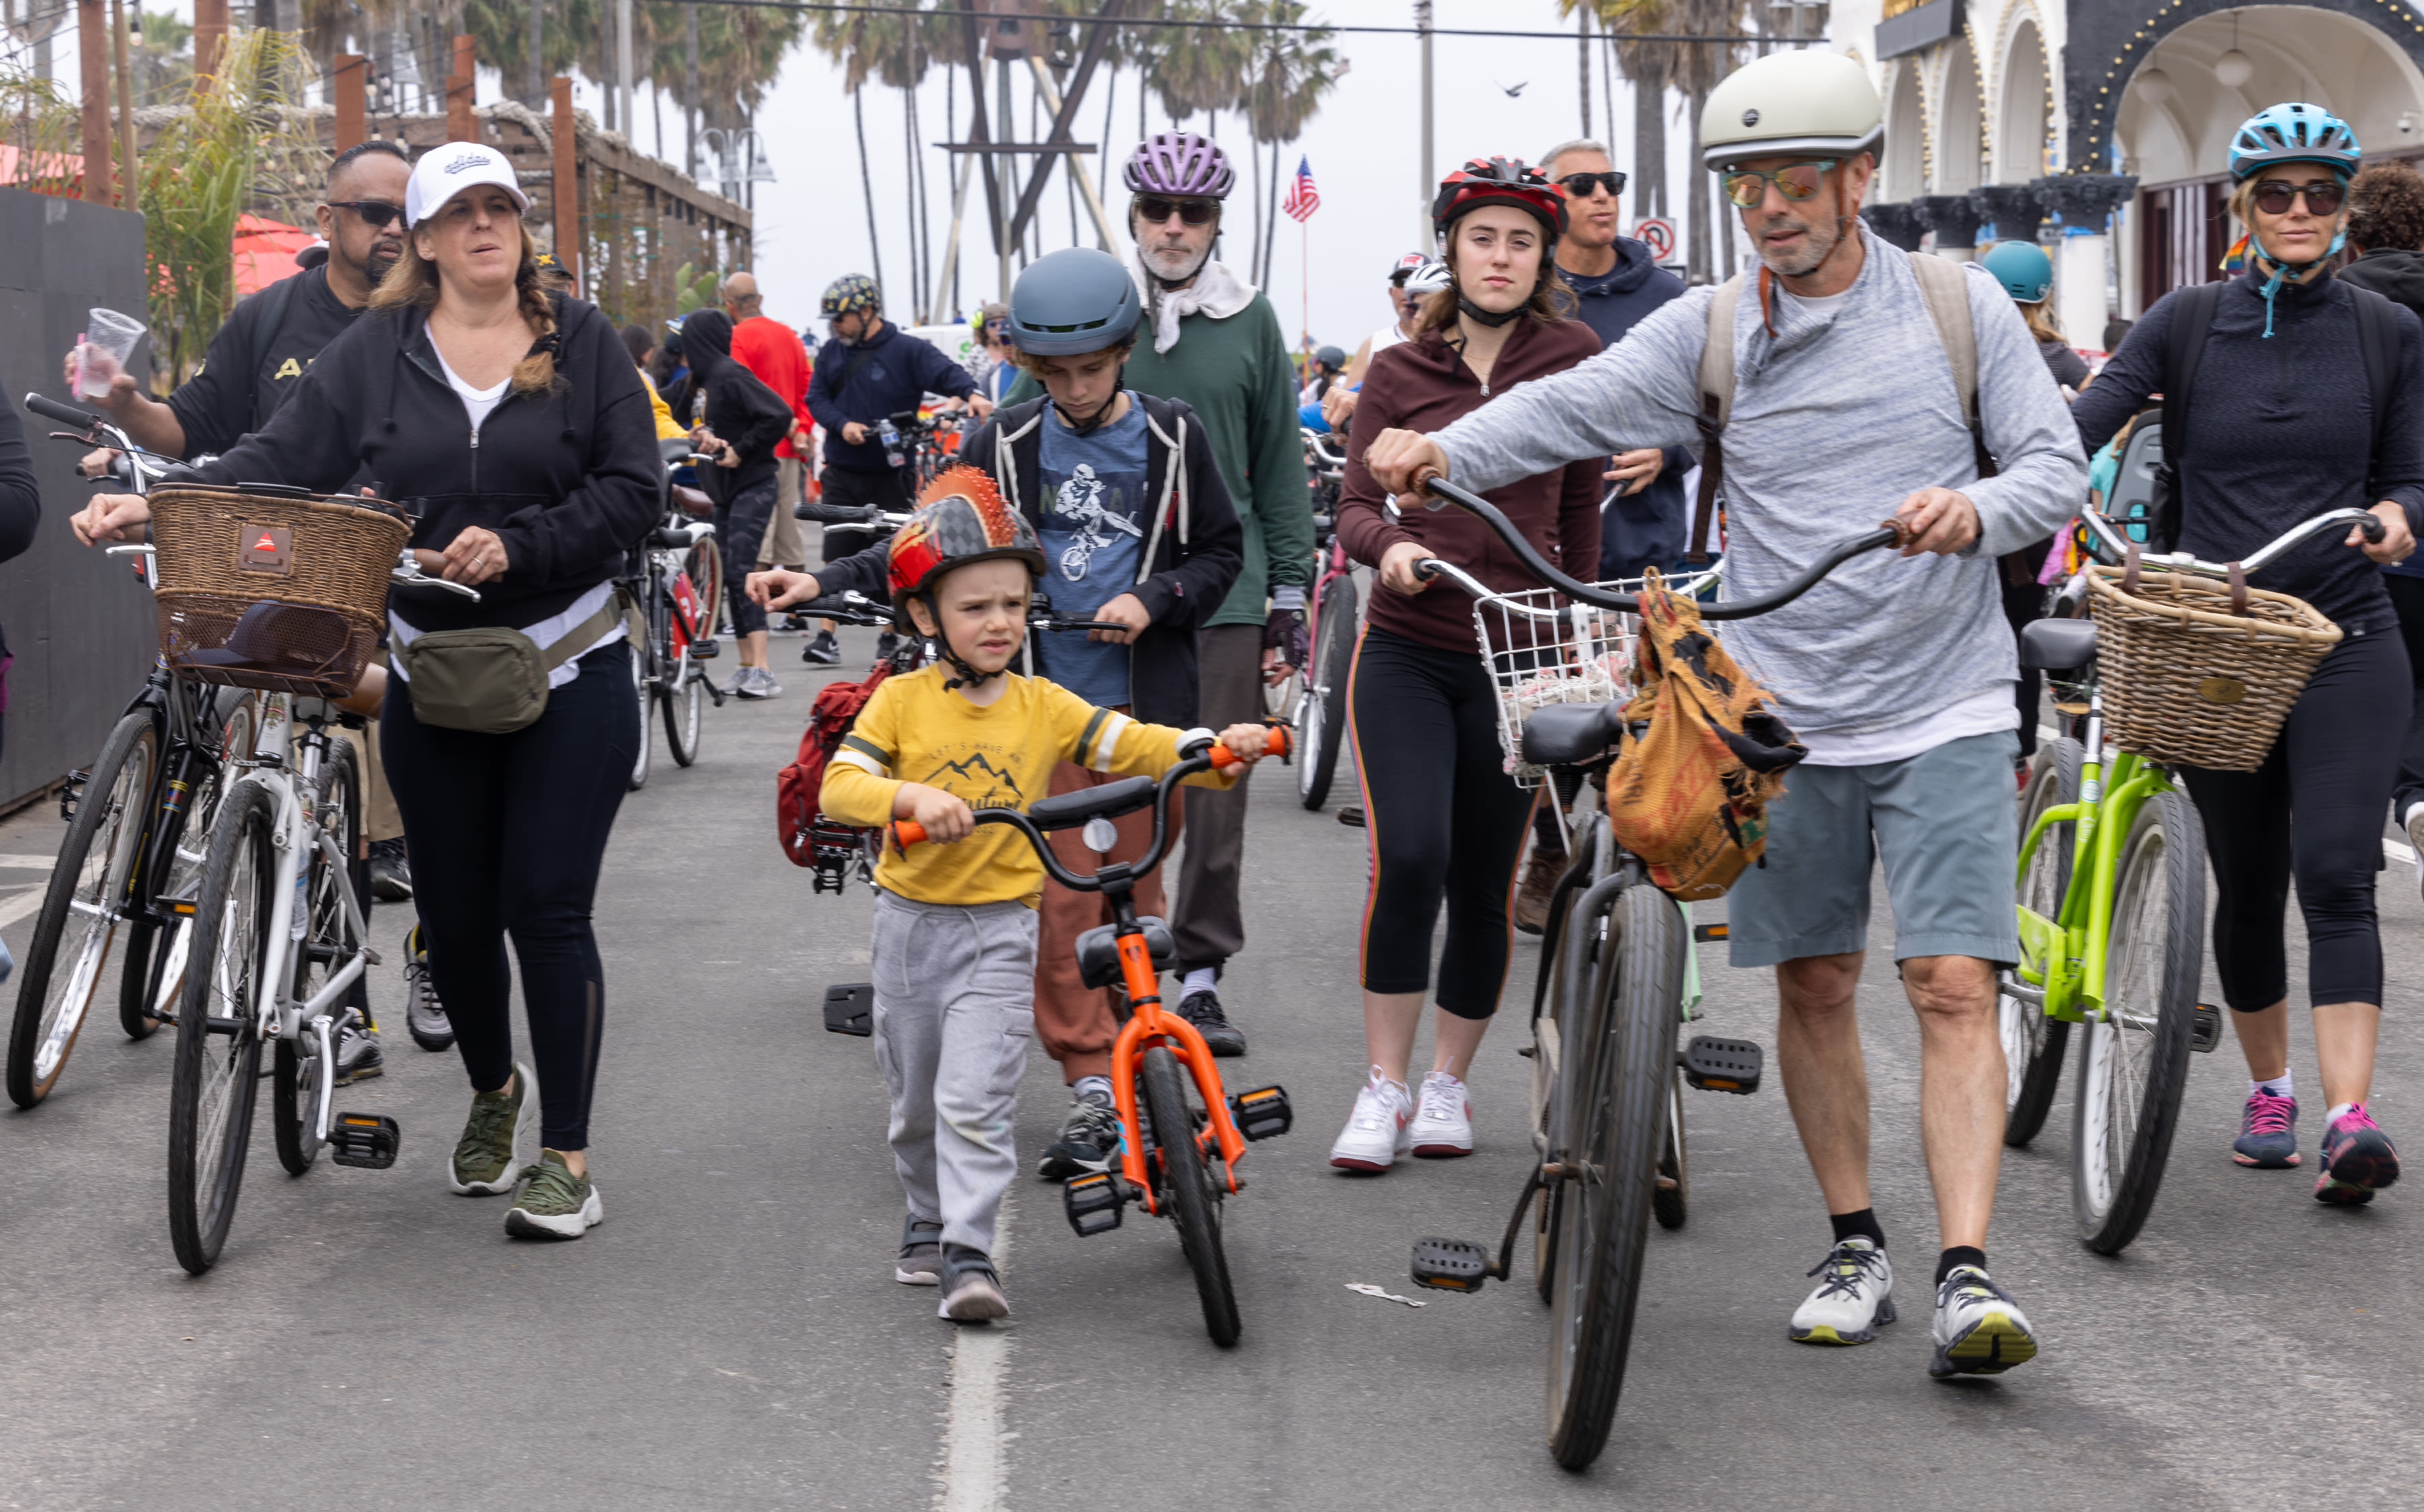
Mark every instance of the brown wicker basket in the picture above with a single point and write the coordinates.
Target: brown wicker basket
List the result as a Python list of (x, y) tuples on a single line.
[(273, 588), (2199, 673)]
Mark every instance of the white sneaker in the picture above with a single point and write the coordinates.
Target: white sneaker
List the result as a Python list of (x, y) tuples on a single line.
[(1855, 1296), (1443, 1126), (1379, 1131), (1978, 1330)]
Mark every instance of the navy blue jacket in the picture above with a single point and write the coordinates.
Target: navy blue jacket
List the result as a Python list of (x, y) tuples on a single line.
[(884, 374), (1647, 529)]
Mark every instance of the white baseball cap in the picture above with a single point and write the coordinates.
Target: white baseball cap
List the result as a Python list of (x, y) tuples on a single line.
[(450, 167)]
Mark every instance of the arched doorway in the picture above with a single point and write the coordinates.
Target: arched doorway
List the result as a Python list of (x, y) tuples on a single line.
[(1905, 136), (1960, 153), (2021, 123)]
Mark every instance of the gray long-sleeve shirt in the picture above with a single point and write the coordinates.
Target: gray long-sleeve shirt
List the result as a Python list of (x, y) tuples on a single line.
[(1837, 418)]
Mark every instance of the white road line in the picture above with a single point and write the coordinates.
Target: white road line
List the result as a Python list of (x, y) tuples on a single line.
[(28, 863), (22, 905), (975, 1477)]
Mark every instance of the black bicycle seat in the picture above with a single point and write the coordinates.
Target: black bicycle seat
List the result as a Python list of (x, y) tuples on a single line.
[(670, 536), (1113, 798), (2057, 645), (1568, 734)]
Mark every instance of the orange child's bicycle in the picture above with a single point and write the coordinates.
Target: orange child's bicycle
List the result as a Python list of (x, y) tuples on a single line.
[(1179, 1153)]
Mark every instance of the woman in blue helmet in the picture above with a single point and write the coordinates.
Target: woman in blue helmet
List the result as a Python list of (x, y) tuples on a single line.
[(2281, 425), (2027, 275)]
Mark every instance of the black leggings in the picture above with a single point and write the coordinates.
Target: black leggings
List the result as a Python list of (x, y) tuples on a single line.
[(2331, 772), (508, 832), (739, 526), (1443, 819)]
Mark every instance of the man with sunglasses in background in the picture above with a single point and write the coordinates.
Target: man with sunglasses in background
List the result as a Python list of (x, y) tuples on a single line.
[(1895, 671), (1211, 341), (255, 361)]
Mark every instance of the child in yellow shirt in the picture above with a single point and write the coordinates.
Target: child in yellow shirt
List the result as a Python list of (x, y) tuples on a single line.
[(955, 939)]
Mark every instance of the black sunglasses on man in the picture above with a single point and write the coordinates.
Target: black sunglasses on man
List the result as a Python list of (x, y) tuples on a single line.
[(374, 212), (1579, 185)]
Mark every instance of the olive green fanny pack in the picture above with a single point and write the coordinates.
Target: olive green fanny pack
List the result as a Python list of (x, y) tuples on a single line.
[(492, 679)]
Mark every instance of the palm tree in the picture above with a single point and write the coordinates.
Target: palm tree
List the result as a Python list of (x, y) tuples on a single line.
[(1700, 66), (1650, 67), (1285, 78)]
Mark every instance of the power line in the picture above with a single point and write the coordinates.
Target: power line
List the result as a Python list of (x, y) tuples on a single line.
[(1241, 25)]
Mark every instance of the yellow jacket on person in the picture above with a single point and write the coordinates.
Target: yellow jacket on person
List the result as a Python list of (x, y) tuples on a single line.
[(668, 429), (994, 755)]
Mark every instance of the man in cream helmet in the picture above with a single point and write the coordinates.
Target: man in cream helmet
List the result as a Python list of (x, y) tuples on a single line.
[(1896, 672)]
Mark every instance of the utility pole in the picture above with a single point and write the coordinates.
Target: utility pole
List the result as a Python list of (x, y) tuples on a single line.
[(1423, 24), (690, 86)]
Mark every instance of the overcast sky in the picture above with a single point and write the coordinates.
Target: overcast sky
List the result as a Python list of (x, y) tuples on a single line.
[(1364, 148)]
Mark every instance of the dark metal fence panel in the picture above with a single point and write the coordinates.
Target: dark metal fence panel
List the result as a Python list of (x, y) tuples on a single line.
[(78, 622)]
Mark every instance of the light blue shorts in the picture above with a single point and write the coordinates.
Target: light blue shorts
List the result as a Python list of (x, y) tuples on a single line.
[(1947, 825)]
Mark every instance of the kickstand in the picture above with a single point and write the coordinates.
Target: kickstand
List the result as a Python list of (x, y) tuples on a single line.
[(1505, 1261), (712, 690)]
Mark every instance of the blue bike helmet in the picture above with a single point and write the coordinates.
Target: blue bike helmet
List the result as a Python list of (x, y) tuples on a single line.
[(1074, 301), (2293, 133), (2022, 268)]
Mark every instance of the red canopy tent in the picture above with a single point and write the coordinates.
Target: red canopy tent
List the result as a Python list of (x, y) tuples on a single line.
[(265, 251)]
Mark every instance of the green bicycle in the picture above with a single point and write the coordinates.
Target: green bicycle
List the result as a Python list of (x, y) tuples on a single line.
[(2112, 924)]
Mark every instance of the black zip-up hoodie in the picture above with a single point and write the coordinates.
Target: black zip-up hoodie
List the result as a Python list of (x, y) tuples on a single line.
[(1195, 542), (569, 480), (740, 410)]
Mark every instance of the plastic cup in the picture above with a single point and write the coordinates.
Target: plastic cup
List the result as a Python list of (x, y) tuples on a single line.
[(108, 346)]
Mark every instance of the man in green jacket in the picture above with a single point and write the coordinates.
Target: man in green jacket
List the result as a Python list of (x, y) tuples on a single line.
[(1213, 342)]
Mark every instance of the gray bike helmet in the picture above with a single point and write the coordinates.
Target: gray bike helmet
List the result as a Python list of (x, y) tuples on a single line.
[(1072, 301)]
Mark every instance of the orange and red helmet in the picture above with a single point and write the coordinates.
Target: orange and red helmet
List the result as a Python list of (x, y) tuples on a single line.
[(961, 519), (1499, 181)]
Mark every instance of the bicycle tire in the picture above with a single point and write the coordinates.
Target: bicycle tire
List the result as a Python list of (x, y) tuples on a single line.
[(2034, 1044), (1322, 729), (42, 1033), (645, 693), (135, 975), (2133, 1066), (147, 1002), (1603, 1225), (683, 707), (1670, 1198), (218, 1070), (1187, 1185), (295, 1064)]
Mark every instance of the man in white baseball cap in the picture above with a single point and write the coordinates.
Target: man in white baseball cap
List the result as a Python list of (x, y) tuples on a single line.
[(448, 169)]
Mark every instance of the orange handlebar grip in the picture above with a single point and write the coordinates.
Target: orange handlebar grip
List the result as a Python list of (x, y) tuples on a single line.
[(907, 832), (1275, 744)]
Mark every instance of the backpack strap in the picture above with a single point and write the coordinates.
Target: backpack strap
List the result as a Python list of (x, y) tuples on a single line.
[(1717, 406), (1944, 284), (2377, 332), (2184, 347)]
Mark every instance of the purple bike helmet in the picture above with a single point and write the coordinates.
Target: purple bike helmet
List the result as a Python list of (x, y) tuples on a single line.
[(1179, 163)]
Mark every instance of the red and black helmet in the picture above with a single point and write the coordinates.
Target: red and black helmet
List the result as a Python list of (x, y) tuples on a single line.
[(1499, 181), (961, 519)]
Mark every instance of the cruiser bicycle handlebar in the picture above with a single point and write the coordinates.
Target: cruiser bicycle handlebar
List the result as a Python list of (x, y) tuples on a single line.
[(2109, 536), (1892, 533), (1200, 751)]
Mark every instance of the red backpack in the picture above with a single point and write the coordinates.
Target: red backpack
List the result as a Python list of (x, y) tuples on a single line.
[(797, 819)]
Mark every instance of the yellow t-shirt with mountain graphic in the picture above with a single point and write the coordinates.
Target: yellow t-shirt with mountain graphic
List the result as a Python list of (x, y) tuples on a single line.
[(994, 755)]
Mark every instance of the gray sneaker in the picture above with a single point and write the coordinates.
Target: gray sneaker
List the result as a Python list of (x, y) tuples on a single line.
[(971, 1290), (556, 1204), (485, 1163), (921, 1252), (357, 1055), (755, 682), (424, 1017)]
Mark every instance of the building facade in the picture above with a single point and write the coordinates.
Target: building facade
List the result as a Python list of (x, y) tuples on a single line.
[(1987, 93)]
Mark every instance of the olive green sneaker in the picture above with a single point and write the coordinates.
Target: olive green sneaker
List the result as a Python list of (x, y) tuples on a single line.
[(485, 1160), (556, 1204)]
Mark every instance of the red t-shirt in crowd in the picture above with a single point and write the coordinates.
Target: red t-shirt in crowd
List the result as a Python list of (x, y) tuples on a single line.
[(771, 350)]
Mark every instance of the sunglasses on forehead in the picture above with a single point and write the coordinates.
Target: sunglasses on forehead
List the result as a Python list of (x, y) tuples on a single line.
[(1155, 209), (1580, 184), (2273, 196), (374, 212)]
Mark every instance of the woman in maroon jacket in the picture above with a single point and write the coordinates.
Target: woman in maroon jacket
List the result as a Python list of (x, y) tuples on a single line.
[(1445, 821)]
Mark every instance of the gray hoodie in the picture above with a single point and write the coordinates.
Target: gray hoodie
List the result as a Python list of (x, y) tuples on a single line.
[(1837, 418)]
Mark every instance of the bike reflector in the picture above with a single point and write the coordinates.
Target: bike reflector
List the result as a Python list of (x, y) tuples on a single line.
[(367, 1140)]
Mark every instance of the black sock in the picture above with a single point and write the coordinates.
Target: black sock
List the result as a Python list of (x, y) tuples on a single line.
[(1860, 1225), (1960, 1254)]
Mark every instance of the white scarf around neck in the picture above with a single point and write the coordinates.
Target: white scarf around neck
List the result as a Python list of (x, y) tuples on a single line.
[(1215, 291)]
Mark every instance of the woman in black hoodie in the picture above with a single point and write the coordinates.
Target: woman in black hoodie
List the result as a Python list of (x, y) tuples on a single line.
[(743, 423), (511, 424)]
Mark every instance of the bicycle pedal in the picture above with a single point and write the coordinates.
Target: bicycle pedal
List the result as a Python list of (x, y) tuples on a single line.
[(1720, 1065), (2204, 1029), (69, 791), (365, 1139), (1450, 1264), (1093, 1202), (704, 650), (850, 1007), (1263, 1113)]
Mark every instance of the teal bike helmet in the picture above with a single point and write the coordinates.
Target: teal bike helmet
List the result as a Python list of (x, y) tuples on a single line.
[(2294, 131), (1074, 301), (2022, 268)]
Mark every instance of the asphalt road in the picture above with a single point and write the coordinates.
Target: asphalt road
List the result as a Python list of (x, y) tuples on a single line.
[(732, 1336)]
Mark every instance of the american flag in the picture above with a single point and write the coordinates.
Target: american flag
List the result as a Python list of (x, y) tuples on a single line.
[(1302, 197)]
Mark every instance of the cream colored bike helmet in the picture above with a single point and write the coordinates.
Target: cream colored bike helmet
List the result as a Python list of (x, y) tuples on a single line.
[(1809, 102)]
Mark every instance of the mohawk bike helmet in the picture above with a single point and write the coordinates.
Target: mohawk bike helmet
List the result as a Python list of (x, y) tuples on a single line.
[(2293, 132), (960, 519), (1804, 103), (2022, 268), (1179, 163), (849, 294), (1497, 181)]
